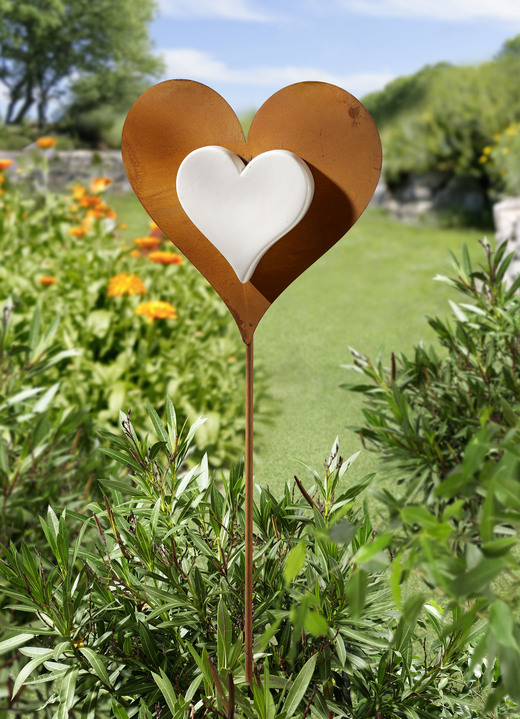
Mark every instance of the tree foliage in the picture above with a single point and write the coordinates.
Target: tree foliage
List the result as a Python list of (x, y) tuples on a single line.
[(44, 43), (441, 118)]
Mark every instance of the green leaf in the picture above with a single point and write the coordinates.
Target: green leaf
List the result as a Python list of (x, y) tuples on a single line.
[(294, 562), (356, 591), (43, 403), (125, 459), (405, 629), (158, 426), (478, 579), (34, 330), (413, 514), (343, 532), (13, 642), (224, 635), (28, 668), (4, 457), (299, 687), (96, 663), (167, 690), (67, 693), (117, 486), (368, 551), (118, 710), (315, 623), (502, 624)]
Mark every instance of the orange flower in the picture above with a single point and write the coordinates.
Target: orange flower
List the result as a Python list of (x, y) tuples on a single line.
[(47, 280), (90, 201), (165, 258), (125, 284), (146, 243), (78, 191), (78, 231), (5, 163), (153, 225), (98, 184), (73, 208), (157, 310), (44, 143), (135, 253), (123, 226)]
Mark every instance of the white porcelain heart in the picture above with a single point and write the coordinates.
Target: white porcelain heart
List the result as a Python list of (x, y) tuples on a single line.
[(243, 209)]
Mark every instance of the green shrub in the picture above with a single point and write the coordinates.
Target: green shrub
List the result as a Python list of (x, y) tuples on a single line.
[(150, 621), (441, 118), (446, 426), (44, 447), (423, 410)]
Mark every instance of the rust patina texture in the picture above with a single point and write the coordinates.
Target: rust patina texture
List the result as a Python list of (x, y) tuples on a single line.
[(324, 125)]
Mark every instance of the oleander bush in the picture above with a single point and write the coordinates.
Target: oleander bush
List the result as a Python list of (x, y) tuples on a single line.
[(445, 423), (146, 620)]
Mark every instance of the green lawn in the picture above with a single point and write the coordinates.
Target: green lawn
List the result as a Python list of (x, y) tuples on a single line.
[(372, 291)]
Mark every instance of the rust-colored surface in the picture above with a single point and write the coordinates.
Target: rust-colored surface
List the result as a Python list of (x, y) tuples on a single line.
[(321, 123)]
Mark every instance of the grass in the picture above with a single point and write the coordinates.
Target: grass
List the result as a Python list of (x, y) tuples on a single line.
[(372, 291)]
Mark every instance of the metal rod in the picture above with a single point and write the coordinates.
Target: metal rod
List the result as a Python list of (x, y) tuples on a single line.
[(248, 623)]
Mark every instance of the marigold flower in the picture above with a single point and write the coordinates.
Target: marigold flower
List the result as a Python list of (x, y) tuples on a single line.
[(46, 280), (90, 201), (157, 310), (73, 208), (145, 243), (5, 163), (78, 191), (165, 258), (153, 225), (44, 143), (135, 253), (98, 184), (77, 231), (123, 226), (125, 284)]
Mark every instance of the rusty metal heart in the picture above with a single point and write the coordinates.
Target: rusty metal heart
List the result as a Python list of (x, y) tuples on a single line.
[(324, 125)]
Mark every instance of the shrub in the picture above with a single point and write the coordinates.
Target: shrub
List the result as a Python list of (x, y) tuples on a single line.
[(422, 411), (447, 428), (150, 622), (44, 447), (443, 117)]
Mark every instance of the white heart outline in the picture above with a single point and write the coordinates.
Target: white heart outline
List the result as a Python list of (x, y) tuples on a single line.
[(207, 198)]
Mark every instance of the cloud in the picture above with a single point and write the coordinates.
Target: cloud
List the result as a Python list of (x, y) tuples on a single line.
[(203, 67), (447, 10), (242, 10)]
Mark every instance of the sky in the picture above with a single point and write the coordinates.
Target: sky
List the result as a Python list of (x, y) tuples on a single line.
[(248, 49)]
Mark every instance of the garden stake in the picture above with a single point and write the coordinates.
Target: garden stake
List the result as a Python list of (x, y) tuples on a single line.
[(248, 591), (184, 153)]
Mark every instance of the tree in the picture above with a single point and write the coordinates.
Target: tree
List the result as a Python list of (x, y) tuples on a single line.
[(45, 43)]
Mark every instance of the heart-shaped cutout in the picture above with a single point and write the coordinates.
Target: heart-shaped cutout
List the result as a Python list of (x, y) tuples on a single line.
[(325, 126), (243, 209)]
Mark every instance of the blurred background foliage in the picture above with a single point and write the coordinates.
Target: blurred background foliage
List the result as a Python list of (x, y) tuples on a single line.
[(443, 117)]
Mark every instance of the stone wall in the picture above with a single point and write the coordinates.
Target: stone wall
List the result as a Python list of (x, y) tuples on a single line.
[(506, 215), (67, 167), (432, 193)]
